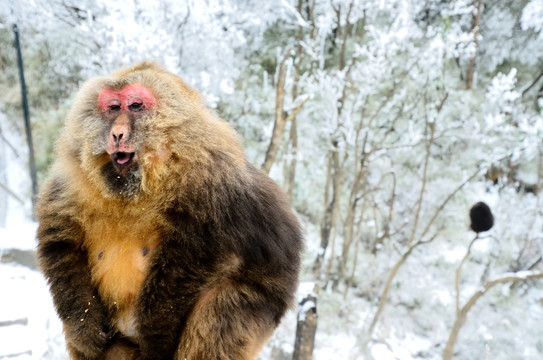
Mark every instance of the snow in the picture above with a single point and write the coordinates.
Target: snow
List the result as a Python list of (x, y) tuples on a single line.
[(31, 328), (521, 275), (307, 288), (307, 306), (36, 329), (454, 255), (532, 16), (337, 346), (21, 233)]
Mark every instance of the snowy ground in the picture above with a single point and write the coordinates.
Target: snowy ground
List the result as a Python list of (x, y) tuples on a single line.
[(29, 327)]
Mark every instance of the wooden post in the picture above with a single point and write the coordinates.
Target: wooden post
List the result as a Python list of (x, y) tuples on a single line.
[(306, 328)]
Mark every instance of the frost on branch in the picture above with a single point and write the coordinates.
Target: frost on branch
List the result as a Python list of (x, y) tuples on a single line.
[(532, 16)]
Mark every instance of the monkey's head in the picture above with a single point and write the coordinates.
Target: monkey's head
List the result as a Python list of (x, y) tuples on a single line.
[(143, 128)]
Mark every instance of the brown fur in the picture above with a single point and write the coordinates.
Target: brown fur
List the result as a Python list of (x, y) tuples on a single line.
[(190, 253)]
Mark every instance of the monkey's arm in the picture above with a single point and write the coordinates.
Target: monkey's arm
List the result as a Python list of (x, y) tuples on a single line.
[(65, 266), (235, 317), (188, 304), (167, 296)]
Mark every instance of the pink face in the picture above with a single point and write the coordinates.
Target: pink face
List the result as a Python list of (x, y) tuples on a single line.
[(122, 107), (129, 98)]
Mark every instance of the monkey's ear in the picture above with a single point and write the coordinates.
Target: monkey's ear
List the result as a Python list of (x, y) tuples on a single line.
[(481, 217)]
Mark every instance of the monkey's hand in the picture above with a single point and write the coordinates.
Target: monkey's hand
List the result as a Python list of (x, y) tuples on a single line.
[(89, 333)]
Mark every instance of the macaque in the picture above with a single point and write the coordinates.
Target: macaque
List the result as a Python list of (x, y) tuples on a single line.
[(158, 239)]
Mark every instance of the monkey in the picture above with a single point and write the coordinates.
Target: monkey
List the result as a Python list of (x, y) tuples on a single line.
[(481, 217), (157, 237)]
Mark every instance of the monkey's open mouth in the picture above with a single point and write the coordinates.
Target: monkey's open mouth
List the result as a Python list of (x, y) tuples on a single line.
[(122, 159)]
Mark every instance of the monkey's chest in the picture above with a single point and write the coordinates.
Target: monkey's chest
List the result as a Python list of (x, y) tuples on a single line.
[(119, 254)]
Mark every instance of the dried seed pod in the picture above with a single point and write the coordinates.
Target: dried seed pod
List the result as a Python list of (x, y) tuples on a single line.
[(481, 217)]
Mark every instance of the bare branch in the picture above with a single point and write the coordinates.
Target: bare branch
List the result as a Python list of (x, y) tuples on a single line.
[(476, 31), (446, 201), (11, 193), (448, 352), (532, 84), (280, 120), (458, 273)]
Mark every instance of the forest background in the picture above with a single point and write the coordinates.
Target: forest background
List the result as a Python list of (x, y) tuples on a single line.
[(383, 120)]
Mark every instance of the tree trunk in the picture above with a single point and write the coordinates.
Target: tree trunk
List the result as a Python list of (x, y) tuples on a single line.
[(354, 197), (306, 328), (476, 32), (280, 117), (290, 173), (291, 161), (328, 219)]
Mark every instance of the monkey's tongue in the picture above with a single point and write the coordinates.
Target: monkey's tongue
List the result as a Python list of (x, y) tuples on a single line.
[(122, 158)]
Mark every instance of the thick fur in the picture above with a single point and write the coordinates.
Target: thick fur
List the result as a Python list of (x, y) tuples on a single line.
[(192, 254)]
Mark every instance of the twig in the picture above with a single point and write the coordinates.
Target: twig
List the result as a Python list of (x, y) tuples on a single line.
[(10, 192), (532, 84), (459, 272)]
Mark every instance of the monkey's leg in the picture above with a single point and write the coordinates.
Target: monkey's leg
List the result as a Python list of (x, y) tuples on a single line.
[(228, 322), (118, 350), (121, 350)]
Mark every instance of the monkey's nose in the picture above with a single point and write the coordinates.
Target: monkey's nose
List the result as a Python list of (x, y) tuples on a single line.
[(117, 138)]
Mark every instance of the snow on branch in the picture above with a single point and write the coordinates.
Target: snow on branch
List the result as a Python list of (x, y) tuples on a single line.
[(296, 106)]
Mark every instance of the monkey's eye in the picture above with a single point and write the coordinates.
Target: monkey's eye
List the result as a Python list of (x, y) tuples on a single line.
[(114, 105), (136, 106)]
